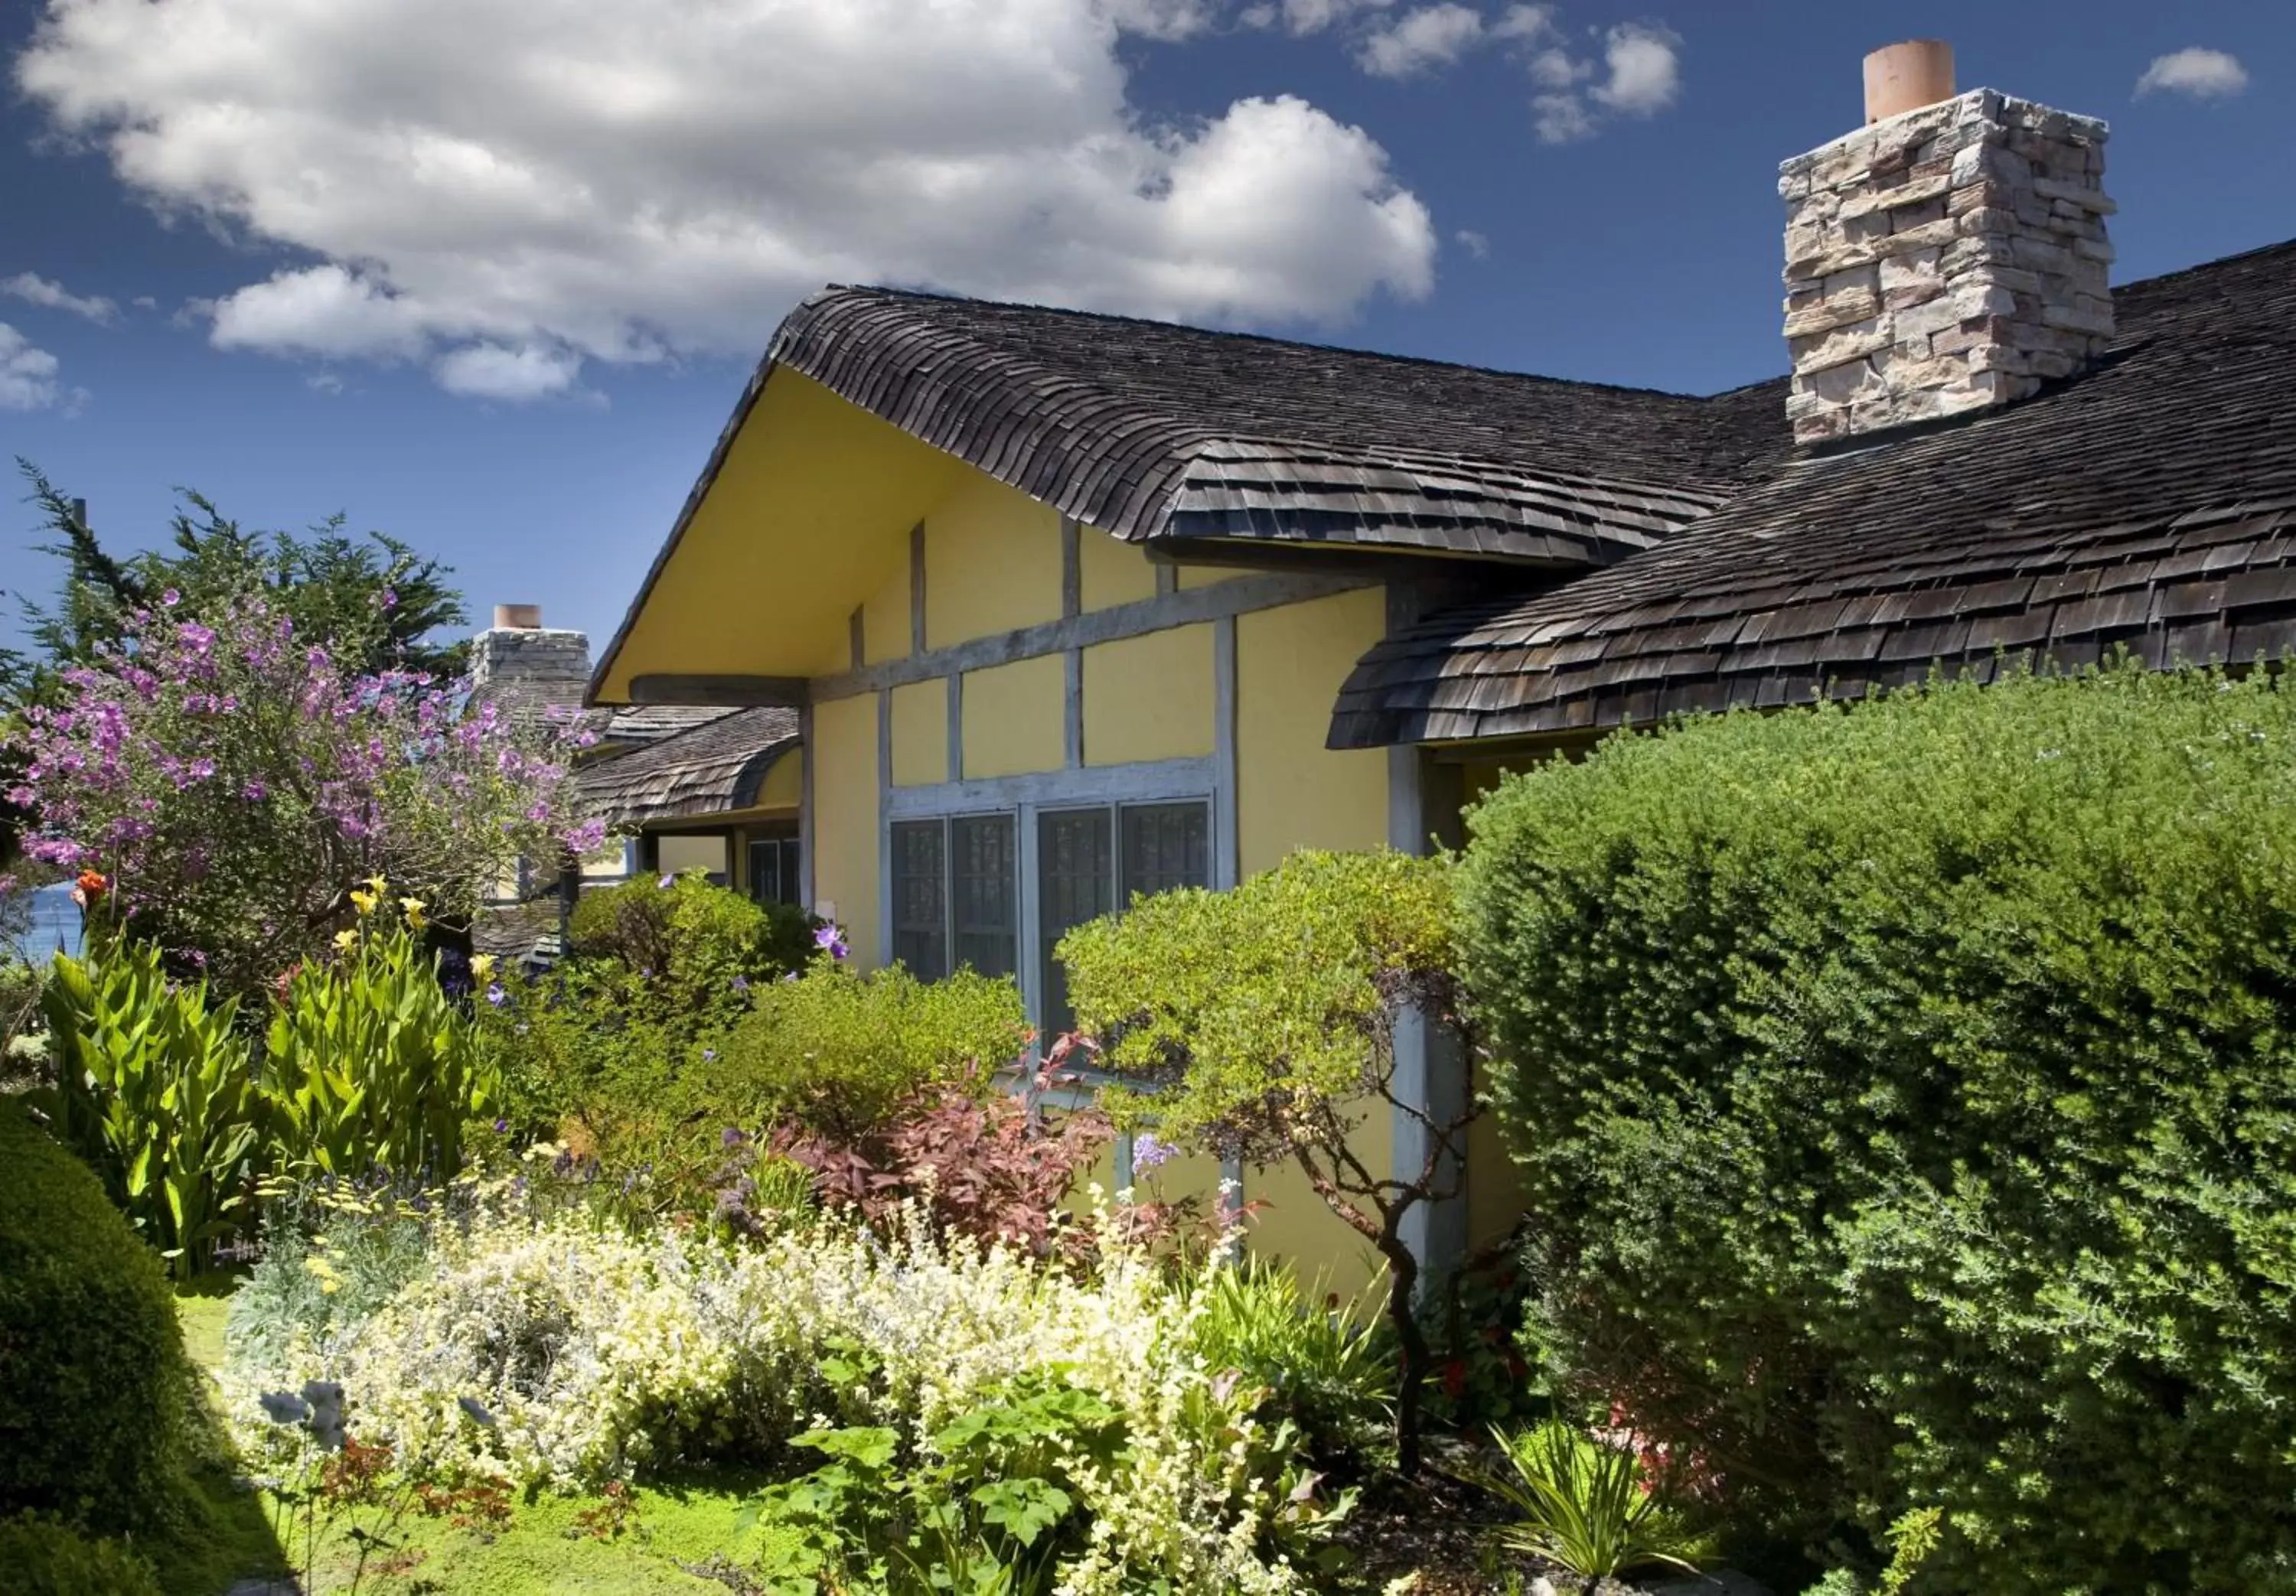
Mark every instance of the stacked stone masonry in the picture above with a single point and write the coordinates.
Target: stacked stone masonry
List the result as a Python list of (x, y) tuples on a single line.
[(529, 669), (1941, 261)]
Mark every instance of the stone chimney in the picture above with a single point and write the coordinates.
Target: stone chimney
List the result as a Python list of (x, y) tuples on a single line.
[(1950, 256), (517, 664)]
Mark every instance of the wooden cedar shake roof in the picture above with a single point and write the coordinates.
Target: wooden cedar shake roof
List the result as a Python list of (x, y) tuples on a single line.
[(2149, 504), (1148, 430), (708, 769)]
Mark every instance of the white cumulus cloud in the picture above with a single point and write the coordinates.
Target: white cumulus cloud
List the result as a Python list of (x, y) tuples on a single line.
[(28, 376), (1433, 36), (2199, 73), (36, 290), (506, 202), (1639, 74), (1643, 73), (1302, 18), (491, 371)]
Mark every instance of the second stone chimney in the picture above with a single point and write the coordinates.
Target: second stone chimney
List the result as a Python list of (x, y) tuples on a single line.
[(1950, 256), (518, 666)]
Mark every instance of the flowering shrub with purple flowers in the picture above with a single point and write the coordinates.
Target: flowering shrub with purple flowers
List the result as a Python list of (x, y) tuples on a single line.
[(234, 779)]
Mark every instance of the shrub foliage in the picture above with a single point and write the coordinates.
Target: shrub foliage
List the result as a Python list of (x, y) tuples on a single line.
[(92, 1369), (698, 946), (1904, 1094), (1266, 1016)]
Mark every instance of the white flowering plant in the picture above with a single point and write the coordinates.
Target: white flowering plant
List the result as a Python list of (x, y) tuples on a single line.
[(1010, 1407)]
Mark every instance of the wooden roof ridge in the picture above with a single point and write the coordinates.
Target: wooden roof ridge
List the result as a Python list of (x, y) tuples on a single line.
[(1105, 418)]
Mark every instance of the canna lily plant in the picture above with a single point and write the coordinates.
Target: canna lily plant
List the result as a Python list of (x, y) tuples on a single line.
[(369, 1062)]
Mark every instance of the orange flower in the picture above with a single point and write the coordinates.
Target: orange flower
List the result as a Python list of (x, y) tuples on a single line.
[(93, 883)]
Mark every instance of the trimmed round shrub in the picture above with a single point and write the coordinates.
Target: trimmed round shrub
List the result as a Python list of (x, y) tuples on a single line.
[(46, 1557), (92, 1368), (1905, 1095)]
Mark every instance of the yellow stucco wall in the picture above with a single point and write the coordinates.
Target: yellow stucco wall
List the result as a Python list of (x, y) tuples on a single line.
[(920, 734), (1149, 696), (992, 561), (1493, 1184), (682, 853), (784, 783), (815, 501), (1111, 571), (1298, 1228), (1292, 792), (885, 614), (1204, 576), (845, 816), (1014, 718)]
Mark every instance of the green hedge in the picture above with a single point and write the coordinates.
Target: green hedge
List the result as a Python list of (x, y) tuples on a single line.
[(1907, 1098), (93, 1394)]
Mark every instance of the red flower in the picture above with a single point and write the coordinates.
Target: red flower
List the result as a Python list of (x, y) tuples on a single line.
[(1455, 1377)]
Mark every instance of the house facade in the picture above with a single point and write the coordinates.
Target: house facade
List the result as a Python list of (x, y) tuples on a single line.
[(1071, 607)]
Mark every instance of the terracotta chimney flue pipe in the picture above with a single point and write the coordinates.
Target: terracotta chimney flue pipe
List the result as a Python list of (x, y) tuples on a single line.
[(518, 618), (1907, 76)]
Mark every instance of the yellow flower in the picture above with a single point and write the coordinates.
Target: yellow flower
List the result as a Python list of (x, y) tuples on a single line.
[(364, 901), (415, 907), (346, 940), (377, 885), (482, 965)]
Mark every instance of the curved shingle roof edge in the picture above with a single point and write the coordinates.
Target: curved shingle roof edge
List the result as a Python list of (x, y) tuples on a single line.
[(1147, 429), (2148, 507), (712, 768)]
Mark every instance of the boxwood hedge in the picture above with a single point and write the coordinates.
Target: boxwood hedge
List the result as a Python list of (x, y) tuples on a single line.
[(1907, 1098), (92, 1376)]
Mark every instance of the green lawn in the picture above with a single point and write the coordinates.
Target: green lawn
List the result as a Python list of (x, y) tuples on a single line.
[(543, 1551)]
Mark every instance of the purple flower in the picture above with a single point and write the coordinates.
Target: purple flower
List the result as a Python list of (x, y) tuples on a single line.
[(830, 940), (501, 1126), (171, 598), (731, 1137), (740, 983), (667, 882), (707, 1053), (1149, 1152), (496, 994)]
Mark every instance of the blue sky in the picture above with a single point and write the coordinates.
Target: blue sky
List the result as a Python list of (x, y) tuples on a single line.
[(492, 286)]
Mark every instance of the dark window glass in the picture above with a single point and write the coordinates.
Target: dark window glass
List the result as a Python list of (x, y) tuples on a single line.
[(919, 900), (1076, 881), (983, 892), (774, 873), (766, 871), (1166, 846)]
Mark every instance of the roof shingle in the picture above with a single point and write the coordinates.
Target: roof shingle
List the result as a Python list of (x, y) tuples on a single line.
[(2150, 504)]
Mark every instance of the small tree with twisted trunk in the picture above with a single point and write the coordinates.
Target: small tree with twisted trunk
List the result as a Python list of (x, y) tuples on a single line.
[(1260, 1024)]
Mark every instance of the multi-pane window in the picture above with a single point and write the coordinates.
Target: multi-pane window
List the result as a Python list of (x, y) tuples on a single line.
[(1092, 861), (957, 896), (1076, 881), (985, 909), (1166, 846), (774, 876), (957, 884), (921, 898)]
